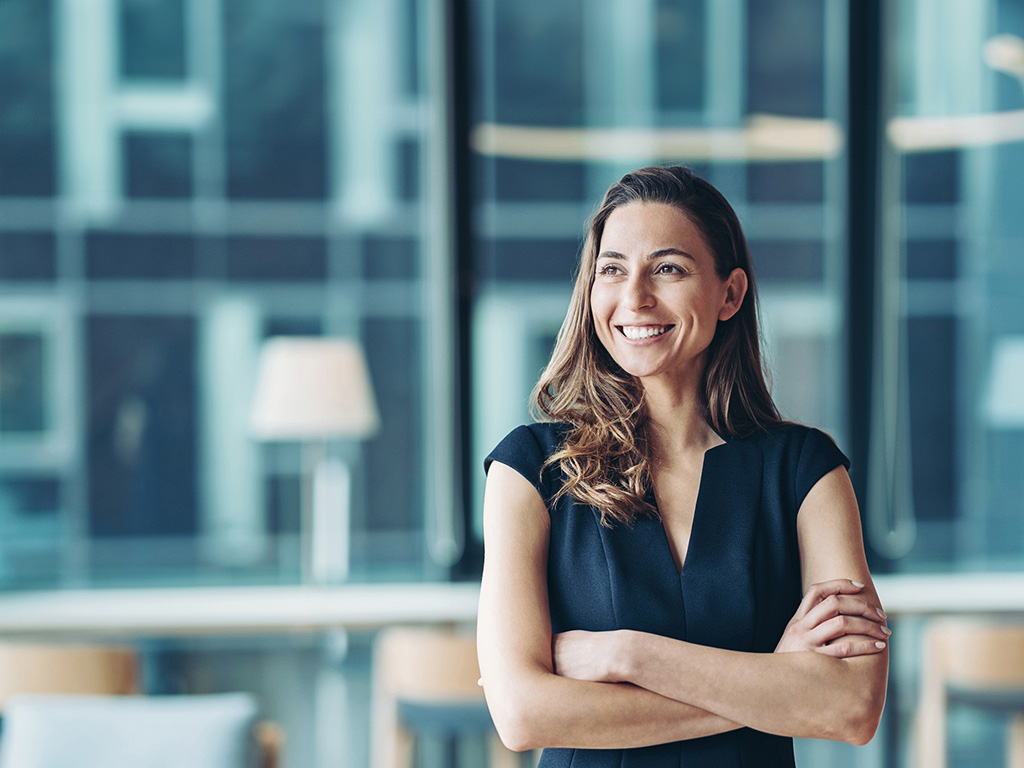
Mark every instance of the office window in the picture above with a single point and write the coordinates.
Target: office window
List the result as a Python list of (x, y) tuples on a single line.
[(945, 497), (626, 75), (178, 181)]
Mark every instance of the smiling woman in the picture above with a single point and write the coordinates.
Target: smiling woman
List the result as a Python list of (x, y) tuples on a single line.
[(657, 297), (647, 546)]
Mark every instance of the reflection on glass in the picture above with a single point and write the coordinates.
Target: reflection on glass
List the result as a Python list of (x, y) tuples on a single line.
[(178, 181), (748, 94), (952, 238), (947, 485)]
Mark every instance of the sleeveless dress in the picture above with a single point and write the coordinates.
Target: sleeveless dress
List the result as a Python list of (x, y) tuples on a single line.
[(739, 586)]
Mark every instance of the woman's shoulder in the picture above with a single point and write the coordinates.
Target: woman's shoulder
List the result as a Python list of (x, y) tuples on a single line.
[(794, 445), (786, 434), (539, 438), (549, 434), (796, 454), (526, 449)]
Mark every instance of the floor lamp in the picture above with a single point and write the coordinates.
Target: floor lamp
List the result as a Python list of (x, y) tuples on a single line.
[(311, 390)]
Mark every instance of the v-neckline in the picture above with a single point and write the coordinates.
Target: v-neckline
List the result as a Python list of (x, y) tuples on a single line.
[(681, 569)]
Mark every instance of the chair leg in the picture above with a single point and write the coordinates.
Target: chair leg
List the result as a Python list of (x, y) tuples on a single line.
[(929, 730), (1015, 742), (405, 748)]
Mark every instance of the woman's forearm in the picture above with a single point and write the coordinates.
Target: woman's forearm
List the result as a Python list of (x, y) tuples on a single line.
[(541, 709), (802, 694)]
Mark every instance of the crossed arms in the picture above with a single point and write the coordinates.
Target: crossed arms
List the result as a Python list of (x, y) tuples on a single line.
[(624, 689)]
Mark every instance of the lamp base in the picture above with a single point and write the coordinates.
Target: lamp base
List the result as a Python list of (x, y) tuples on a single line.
[(326, 533)]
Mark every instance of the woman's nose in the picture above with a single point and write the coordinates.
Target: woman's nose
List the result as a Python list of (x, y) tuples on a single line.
[(638, 292)]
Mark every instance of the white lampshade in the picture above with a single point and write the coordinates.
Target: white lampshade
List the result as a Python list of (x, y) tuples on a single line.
[(311, 387)]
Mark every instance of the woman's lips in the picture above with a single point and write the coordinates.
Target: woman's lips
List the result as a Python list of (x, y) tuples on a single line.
[(643, 332)]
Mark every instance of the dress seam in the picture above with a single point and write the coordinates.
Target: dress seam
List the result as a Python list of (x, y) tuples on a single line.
[(608, 571)]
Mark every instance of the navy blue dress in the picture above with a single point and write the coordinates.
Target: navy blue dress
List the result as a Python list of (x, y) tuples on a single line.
[(739, 586)]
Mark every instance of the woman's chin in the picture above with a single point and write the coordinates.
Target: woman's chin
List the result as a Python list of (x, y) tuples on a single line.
[(641, 370)]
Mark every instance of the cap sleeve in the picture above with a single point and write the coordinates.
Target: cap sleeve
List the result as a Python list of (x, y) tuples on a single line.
[(818, 456), (521, 451)]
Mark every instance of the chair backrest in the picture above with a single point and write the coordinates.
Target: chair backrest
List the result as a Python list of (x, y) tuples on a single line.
[(79, 669), (975, 654), (417, 665), (427, 664), (968, 655), (47, 731)]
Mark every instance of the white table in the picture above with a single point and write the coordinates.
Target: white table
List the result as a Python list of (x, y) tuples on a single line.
[(224, 610), (153, 612), (951, 593)]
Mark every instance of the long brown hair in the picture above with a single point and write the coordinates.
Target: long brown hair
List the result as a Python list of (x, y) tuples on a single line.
[(605, 455)]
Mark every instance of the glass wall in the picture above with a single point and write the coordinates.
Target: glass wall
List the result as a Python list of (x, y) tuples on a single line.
[(180, 180), (569, 98), (952, 407), (948, 420)]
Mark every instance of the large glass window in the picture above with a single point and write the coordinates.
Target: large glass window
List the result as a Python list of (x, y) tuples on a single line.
[(179, 181), (751, 95), (949, 412)]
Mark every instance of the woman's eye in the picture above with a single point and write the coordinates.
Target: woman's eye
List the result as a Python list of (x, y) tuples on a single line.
[(668, 269), (609, 269)]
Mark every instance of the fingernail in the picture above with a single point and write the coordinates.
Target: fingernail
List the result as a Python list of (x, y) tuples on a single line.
[(480, 682), (879, 645), (887, 630), (857, 584), (880, 612)]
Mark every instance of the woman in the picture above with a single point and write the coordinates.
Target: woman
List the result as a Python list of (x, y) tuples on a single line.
[(648, 545)]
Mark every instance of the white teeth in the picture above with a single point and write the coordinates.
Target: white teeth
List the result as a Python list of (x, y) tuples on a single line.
[(637, 332)]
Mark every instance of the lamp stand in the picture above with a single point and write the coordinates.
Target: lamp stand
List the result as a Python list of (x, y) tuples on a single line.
[(325, 516)]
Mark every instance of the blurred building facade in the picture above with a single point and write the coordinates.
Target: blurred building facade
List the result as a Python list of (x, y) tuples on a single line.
[(181, 179)]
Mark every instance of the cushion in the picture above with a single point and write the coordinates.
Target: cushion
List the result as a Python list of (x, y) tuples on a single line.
[(138, 731)]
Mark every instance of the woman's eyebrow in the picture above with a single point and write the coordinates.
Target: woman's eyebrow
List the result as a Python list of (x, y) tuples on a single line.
[(671, 252), (655, 255)]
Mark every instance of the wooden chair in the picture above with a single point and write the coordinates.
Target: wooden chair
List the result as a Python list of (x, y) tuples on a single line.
[(93, 670), (974, 664), (82, 669), (425, 681)]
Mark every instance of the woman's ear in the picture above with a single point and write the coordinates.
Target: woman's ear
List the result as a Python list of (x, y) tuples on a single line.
[(735, 291)]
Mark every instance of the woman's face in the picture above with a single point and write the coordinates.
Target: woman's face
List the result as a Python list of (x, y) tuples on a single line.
[(656, 298)]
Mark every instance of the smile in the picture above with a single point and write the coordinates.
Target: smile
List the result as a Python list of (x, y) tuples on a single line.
[(640, 332)]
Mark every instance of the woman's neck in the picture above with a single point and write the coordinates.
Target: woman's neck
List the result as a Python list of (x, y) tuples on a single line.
[(676, 421)]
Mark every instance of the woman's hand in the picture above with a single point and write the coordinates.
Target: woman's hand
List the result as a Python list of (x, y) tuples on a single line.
[(834, 620), (594, 656)]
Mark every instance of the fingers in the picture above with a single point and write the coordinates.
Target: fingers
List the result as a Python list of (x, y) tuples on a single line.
[(846, 649), (844, 605), (837, 626), (835, 620), (818, 592), (850, 605)]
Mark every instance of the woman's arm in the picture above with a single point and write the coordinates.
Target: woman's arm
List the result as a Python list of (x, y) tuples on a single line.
[(532, 706), (799, 693)]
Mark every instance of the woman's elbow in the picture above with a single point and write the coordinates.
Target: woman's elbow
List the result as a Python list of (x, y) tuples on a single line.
[(516, 728), (861, 718), (515, 735), (517, 720), (860, 731)]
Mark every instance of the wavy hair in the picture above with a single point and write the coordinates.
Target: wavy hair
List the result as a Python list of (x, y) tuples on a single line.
[(606, 455)]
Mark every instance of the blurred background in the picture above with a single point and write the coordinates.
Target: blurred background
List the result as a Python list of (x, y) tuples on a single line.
[(181, 180)]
